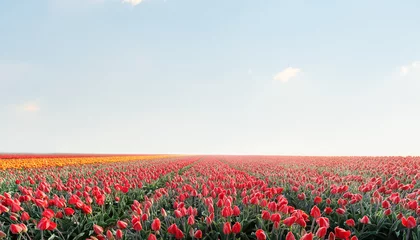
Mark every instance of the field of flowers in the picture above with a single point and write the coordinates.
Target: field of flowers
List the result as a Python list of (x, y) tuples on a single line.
[(208, 197)]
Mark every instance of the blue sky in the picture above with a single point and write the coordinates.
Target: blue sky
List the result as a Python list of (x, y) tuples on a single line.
[(190, 76)]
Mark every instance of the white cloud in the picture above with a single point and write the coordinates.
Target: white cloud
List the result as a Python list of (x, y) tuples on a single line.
[(410, 68), (287, 74), (133, 2), (29, 107)]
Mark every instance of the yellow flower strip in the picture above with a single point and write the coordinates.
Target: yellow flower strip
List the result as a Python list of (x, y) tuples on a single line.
[(65, 161)]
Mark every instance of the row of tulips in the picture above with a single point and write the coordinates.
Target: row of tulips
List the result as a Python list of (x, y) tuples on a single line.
[(39, 161)]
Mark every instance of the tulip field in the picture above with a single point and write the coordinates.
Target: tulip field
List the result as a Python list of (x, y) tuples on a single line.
[(70, 197)]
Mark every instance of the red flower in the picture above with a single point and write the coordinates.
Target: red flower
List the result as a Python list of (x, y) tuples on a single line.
[(340, 211), (227, 229), (98, 229), (46, 224), (328, 210), (317, 200), (198, 234), (191, 220), (290, 236), (307, 236), (109, 235), (59, 215), (364, 220), (156, 224), (323, 222), (24, 217), (265, 215), (260, 234), (23, 226), (236, 228), (179, 234), (121, 224), (172, 229), (68, 211), (151, 237), (386, 204), (409, 222), (236, 211), (178, 214), (137, 226), (315, 212), (16, 228), (48, 213), (289, 221), (350, 223), (86, 209), (119, 234), (226, 212), (341, 233), (275, 217), (322, 231)]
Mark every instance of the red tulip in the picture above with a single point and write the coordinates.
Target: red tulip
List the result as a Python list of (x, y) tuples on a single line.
[(236, 228), (386, 204), (227, 228), (191, 220), (178, 214), (341, 233), (364, 220), (119, 234), (24, 227), (156, 224), (315, 212), (409, 222), (350, 222), (289, 221), (236, 211), (16, 228), (24, 216), (265, 215), (317, 200), (275, 217), (48, 213), (68, 211), (137, 226), (109, 235), (179, 234), (328, 210), (121, 224), (323, 222), (98, 229), (86, 209), (290, 236), (260, 234), (151, 237), (307, 236), (198, 234), (322, 231), (340, 211)]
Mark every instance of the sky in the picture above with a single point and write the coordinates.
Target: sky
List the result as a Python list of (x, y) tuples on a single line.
[(210, 77)]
